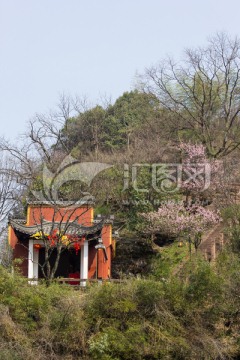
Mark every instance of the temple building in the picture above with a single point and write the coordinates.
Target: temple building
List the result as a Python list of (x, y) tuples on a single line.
[(86, 244)]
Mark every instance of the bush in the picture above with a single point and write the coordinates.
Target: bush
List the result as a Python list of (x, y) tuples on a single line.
[(191, 317)]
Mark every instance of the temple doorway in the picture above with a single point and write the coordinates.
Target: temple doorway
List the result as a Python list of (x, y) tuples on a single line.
[(69, 262)]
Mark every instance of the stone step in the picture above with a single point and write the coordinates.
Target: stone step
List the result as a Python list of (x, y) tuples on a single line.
[(212, 242)]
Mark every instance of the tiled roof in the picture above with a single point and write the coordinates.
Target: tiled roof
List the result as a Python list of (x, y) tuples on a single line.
[(85, 201), (46, 227)]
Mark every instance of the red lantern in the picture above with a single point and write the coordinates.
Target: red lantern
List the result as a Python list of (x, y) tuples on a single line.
[(76, 247), (37, 246), (52, 243)]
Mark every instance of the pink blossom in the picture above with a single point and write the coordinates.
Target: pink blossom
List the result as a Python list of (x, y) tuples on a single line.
[(193, 151), (195, 161), (175, 219)]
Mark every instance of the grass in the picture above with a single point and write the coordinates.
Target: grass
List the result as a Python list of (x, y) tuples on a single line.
[(169, 259)]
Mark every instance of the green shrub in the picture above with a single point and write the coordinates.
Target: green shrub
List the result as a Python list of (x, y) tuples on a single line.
[(179, 318)]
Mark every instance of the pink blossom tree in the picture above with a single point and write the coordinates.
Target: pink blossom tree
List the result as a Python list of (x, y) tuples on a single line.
[(200, 174), (175, 219), (208, 177)]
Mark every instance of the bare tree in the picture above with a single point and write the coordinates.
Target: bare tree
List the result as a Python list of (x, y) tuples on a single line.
[(203, 93), (59, 234), (10, 192), (42, 147), (42, 142), (5, 249), (9, 188)]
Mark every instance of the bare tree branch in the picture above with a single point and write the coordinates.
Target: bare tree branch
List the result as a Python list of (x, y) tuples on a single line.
[(203, 92)]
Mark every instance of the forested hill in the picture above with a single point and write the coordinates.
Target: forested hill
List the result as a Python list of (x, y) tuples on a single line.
[(113, 127), (171, 300)]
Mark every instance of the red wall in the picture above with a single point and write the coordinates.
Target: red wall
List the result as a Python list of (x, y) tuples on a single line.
[(12, 238), (83, 215), (97, 263), (104, 266), (21, 252), (92, 262)]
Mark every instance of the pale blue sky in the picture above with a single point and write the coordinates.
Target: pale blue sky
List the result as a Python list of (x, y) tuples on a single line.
[(93, 47)]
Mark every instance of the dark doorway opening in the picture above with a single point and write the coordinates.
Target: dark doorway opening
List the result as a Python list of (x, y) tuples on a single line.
[(69, 262)]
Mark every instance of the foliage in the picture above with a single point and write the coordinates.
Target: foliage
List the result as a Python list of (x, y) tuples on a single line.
[(178, 318), (110, 128), (231, 216)]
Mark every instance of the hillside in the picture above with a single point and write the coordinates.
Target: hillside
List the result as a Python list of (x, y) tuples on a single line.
[(160, 163), (194, 317)]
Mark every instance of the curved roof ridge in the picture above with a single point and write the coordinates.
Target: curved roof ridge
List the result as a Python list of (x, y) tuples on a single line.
[(70, 227)]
